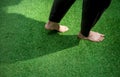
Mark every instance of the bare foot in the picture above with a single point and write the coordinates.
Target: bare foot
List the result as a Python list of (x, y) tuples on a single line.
[(93, 36), (55, 26)]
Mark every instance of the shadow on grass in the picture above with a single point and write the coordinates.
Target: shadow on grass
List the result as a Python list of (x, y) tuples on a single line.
[(23, 38)]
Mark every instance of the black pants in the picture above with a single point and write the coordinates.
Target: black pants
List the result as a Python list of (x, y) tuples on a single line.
[(91, 12)]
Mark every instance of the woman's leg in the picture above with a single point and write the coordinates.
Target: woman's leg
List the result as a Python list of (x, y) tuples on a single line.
[(91, 12), (58, 10)]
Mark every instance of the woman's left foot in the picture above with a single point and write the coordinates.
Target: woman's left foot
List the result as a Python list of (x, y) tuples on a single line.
[(55, 26)]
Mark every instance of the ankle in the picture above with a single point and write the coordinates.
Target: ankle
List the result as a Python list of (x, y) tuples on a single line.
[(52, 25), (82, 36)]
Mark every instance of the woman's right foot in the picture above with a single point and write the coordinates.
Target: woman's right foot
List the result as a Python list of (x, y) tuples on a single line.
[(93, 36), (55, 26)]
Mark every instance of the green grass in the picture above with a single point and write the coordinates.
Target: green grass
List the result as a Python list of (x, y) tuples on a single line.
[(28, 50)]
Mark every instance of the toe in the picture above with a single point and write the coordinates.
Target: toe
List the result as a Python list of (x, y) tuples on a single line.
[(101, 38), (63, 29)]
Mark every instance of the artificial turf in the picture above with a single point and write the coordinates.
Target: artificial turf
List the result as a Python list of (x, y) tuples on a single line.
[(28, 50)]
